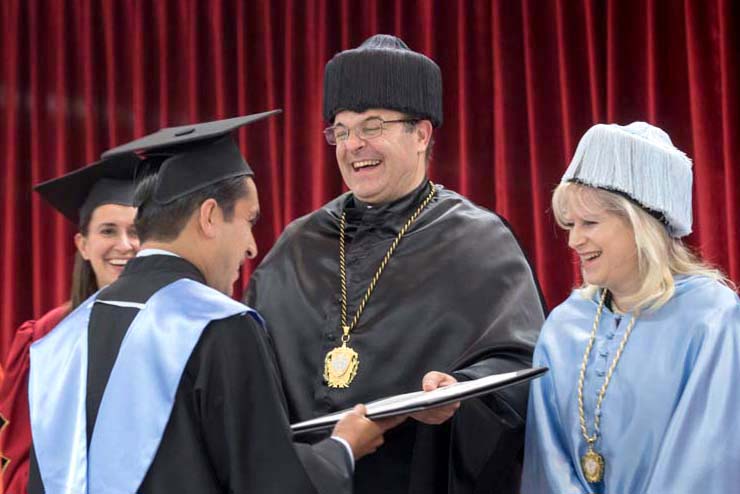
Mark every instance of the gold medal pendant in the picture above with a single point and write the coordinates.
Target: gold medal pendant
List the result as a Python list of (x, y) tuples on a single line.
[(340, 366), (592, 464)]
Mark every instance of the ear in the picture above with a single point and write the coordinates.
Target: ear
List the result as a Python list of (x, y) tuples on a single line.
[(81, 244), (209, 217), (423, 134)]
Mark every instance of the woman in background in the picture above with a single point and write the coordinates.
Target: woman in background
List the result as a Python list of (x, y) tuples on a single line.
[(642, 393), (99, 199)]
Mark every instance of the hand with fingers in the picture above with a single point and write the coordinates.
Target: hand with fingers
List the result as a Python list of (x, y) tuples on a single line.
[(434, 416), (363, 435)]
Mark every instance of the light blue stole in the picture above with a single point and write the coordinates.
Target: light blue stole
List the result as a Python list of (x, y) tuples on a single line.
[(138, 397)]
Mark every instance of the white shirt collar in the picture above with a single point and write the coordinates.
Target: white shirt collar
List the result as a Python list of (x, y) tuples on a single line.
[(155, 252)]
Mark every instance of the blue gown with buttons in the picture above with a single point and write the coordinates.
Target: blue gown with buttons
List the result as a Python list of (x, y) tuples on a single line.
[(669, 420)]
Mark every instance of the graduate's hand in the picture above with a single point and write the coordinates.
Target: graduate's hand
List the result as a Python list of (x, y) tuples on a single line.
[(433, 416), (363, 435)]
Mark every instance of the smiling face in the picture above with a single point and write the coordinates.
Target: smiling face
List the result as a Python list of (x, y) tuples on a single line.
[(110, 241), (386, 167), (235, 242), (603, 240)]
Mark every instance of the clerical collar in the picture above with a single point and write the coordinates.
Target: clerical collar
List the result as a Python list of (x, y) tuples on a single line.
[(404, 204)]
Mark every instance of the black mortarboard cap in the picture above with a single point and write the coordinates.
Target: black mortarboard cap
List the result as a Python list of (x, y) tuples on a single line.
[(383, 73), (193, 156), (78, 193)]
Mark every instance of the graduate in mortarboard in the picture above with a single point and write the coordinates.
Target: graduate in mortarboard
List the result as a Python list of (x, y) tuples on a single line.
[(98, 199), (401, 284), (168, 385), (642, 394)]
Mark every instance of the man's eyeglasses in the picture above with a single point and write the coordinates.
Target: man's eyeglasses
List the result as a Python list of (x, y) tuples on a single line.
[(367, 129)]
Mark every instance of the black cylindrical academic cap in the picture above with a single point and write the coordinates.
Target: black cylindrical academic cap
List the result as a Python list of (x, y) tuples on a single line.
[(383, 73), (193, 156), (78, 193)]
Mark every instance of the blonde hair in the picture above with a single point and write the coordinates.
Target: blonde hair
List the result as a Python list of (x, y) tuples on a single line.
[(659, 256)]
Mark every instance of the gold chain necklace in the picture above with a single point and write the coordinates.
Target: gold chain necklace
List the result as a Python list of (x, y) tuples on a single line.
[(341, 363), (592, 462)]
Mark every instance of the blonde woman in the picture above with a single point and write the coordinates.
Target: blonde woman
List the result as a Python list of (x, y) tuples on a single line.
[(642, 393)]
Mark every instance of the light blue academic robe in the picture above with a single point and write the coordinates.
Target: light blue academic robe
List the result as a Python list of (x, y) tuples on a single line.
[(670, 421)]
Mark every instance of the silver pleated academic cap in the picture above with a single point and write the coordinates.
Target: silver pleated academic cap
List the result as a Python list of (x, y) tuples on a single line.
[(640, 161), (192, 157), (78, 193)]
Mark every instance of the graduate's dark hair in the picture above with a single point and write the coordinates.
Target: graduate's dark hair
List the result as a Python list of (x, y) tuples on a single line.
[(84, 282), (164, 222)]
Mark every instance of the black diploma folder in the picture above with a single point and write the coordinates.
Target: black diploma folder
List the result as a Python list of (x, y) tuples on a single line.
[(421, 400)]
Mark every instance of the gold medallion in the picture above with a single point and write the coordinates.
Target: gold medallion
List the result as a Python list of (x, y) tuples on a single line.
[(592, 464), (340, 366)]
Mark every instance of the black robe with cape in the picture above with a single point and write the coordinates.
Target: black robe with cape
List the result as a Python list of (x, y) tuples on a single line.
[(458, 296), (228, 430)]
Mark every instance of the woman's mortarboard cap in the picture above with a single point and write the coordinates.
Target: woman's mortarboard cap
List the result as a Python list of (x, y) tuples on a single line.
[(78, 193)]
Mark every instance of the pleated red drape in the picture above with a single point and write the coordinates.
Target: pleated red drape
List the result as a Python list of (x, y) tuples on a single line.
[(523, 81)]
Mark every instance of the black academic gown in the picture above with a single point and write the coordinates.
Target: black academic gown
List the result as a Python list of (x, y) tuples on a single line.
[(228, 431), (457, 296)]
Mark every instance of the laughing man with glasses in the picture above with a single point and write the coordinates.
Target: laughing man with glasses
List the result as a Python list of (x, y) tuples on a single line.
[(401, 284)]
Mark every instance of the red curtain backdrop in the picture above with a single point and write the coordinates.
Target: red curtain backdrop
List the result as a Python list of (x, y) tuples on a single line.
[(523, 81)]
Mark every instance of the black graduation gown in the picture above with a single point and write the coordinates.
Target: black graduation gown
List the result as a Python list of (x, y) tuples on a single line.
[(457, 296), (228, 430)]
